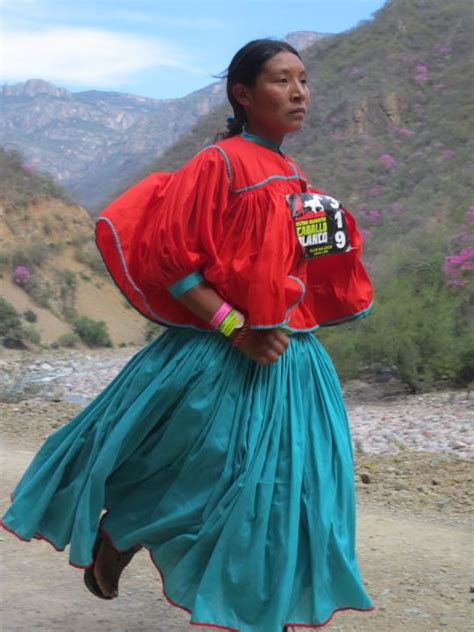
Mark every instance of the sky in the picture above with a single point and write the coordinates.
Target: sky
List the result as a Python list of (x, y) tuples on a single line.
[(151, 48)]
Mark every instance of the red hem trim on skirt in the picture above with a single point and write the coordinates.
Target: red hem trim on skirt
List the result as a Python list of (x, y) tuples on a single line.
[(39, 536)]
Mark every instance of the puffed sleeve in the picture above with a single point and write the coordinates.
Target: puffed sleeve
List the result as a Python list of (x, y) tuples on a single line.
[(159, 237)]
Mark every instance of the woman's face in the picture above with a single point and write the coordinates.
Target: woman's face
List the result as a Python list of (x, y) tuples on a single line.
[(277, 103)]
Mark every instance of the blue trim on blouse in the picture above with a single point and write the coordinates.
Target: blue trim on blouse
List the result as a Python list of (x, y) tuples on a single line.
[(287, 315), (346, 319), (140, 292), (260, 184), (258, 140), (253, 138), (185, 284), (226, 159)]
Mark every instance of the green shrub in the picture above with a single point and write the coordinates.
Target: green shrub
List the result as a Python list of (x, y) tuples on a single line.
[(40, 292), (31, 256), (30, 316), (91, 257), (67, 280), (32, 335), (5, 262), (69, 313), (93, 333), (152, 330), (465, 375), (69, 341), (12, 332)]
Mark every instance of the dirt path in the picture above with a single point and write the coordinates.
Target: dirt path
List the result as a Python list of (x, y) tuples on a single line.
[(416, 567)]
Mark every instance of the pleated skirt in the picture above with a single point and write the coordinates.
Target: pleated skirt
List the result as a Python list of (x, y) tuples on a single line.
[(237, 478)]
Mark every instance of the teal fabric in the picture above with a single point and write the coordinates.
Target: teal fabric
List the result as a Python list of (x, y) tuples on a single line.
[(253, 138), (185, 284), (238, 479)]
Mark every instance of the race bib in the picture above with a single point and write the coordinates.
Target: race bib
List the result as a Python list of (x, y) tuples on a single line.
[(320, 224)]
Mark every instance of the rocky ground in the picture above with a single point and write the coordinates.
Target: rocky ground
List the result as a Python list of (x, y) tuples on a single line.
[(413, 473)]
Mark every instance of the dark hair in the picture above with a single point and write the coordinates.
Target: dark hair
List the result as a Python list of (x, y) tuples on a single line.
[(244, 68)]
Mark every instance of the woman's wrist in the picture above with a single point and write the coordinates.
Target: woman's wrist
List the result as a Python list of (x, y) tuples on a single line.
[(203, 301), (221, 313), (239, 335), (227, 319)]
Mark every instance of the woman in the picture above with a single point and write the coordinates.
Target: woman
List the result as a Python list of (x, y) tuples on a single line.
[(223, 447)]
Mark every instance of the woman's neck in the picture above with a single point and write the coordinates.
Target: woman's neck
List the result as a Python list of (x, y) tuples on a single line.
[(272, 138)]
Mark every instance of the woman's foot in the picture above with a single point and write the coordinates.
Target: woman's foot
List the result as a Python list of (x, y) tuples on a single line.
[(102, 578)]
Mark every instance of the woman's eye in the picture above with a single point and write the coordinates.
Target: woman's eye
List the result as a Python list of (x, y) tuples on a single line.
[(282, 80)]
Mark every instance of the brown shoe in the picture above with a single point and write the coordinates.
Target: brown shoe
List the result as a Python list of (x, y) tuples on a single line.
[(102, 578)]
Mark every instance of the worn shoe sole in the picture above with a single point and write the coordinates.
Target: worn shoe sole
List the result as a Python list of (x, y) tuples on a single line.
[(89, 577), (113, 562)]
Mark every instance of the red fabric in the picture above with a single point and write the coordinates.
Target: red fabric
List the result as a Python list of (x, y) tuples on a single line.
[(242, 241)]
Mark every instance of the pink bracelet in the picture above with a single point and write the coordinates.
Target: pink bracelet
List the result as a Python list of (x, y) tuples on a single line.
[(220, 314)]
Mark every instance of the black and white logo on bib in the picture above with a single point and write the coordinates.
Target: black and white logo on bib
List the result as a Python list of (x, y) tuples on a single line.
[(320, 224)]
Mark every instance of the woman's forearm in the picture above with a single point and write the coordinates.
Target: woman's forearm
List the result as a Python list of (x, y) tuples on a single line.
[(264, 346), (201, 300)]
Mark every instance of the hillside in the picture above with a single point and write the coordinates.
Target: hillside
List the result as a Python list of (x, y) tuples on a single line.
[(390, 134), (51, 274), (90, 141)]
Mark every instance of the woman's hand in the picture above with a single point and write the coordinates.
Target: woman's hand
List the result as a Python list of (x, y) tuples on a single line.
[(264, 346)]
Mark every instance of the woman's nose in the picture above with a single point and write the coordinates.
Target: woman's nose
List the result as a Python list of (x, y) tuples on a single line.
[(299, 92)]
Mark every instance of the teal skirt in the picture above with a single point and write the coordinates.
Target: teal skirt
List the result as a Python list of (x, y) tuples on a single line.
[(237, 478)]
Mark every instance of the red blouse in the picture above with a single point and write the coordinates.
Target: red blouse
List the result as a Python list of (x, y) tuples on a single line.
[(225, 217)]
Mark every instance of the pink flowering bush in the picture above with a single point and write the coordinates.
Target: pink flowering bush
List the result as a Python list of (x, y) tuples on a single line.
[(388, 160), (458, 267), (21, 274), (375, 217), (470, 214), (405, 131), (418, 108), (376, 190), (443, 49), (421, 73), (448, 154)]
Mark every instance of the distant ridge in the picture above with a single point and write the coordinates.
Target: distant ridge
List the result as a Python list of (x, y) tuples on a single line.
[(91, 141)]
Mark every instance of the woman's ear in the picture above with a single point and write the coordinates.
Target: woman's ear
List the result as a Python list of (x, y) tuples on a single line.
[(241, 94)]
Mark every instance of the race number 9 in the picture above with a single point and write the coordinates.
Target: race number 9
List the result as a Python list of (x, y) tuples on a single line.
[(340, 239)]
